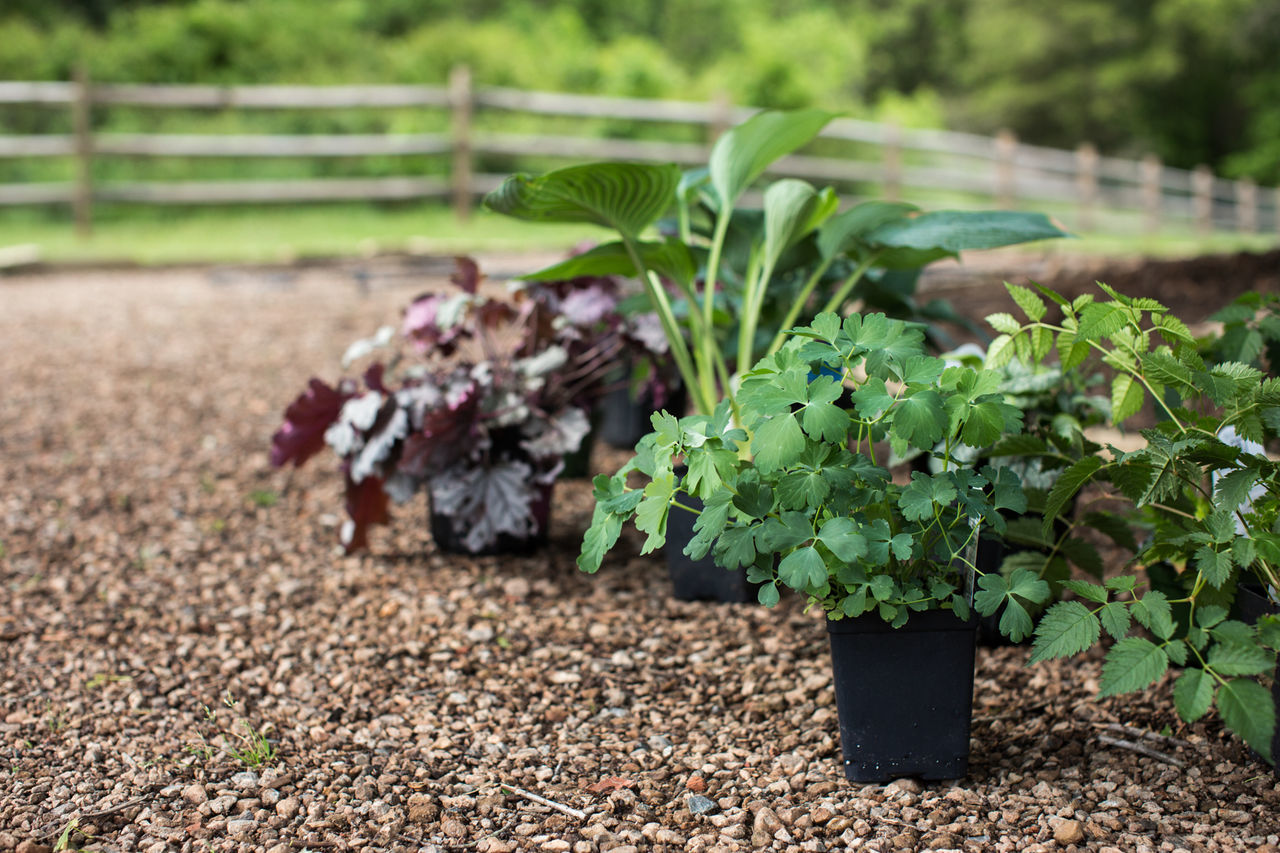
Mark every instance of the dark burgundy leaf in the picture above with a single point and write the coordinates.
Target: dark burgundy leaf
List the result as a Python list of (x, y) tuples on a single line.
[(302, 434), (366, 506), (373, 377), (467, 275)]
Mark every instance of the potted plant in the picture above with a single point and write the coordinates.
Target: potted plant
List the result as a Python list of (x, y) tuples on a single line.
[(727, 287), (796, 497), (1209, 490), (476, 400)]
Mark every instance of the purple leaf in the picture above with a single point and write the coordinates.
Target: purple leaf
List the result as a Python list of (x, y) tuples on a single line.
[(467, 275), (301, 436), (483, 503), (366, 506), (588, 306)]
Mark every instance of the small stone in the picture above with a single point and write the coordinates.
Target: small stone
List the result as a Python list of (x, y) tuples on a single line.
[(557, 845), (245, 781), (195, 794), (517, 588), (821, 815), (1068, 832), (30, 846), (764, 827), (422, 808), (240, 827), (699, 804), (288, 808), (453, 828), (906, 786), (495, 845), (696, 784)]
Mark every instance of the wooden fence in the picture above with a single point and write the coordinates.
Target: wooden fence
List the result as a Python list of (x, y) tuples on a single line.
[(1086, 190)]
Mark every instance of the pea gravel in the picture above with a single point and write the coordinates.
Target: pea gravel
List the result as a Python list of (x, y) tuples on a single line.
[(188, 664)]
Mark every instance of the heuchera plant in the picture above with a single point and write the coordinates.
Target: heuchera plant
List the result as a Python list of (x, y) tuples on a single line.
[(476, 399), (798, 498), (1203, 479)]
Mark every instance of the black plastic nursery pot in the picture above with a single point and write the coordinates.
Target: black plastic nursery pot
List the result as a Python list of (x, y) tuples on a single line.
[(904, 695), (450, 534), (625, 420), (1253, 604), (700, 580)]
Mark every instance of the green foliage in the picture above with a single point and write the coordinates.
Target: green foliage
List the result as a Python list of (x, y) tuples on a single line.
[(746, 276), (1204, 484), (802, 499)]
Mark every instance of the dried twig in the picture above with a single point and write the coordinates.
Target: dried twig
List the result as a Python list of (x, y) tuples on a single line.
[(1142, 749), (543, 801), (1133, 731)]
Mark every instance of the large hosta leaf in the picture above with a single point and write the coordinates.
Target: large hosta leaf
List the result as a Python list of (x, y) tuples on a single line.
[(670, 259), (627, 197), (743, 153), (845, 231), (955, 230)]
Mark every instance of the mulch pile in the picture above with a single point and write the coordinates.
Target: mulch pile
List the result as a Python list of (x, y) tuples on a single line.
[(171, 608)]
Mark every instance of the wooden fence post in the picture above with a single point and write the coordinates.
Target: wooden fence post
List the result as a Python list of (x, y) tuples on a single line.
[(1246, 206), (892, 162), (1086, 185), (82, 127), (1152, 193), (1202, 198), (461, 104), (1006, 183), (721, 116)]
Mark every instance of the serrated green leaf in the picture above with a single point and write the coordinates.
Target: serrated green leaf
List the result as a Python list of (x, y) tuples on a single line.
[(768, 594), (922, 493), (1132, 664), (1004, 322), (1090, 591), (1100, 320), (1213, 566), (1193, 694), (1067, 628), (1154, 613), (736, 547), (1127, 397), (1115, 619), (1240, 659), (1248, 710), (825, 421), (1000, 352), (1033, 306), (1068, 484)]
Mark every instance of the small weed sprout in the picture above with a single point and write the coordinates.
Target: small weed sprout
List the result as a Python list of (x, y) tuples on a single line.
[(104, 678), (254, 750), (263, 498)]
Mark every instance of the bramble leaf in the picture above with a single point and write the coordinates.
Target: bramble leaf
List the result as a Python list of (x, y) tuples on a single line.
[(1132, 664), (1066, 629), (1193, 694), (1249, 711)]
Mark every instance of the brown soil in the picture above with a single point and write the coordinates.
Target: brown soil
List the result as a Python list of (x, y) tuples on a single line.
[(152, 566)]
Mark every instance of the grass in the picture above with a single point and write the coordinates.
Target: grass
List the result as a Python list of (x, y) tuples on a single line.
[(281, 234), (287, 233)]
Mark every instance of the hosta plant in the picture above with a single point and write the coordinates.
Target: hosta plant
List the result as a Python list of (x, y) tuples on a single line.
[(1204, 482), (729, 281), (795, 492), (475, 399)]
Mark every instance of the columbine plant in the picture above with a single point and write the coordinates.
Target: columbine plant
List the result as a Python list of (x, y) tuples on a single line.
[(475, 399), (797, 496), (1204, 480)]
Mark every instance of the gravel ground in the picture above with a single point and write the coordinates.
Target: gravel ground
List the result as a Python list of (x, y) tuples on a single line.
[(171, 608)]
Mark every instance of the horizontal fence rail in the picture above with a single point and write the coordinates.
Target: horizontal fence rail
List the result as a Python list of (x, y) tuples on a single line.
[(1080, 186)]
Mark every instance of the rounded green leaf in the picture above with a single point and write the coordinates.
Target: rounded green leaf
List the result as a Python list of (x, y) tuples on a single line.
[(743, 153), (627, 197)]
